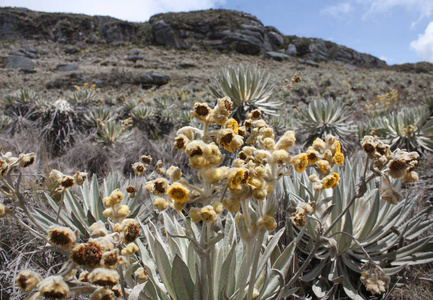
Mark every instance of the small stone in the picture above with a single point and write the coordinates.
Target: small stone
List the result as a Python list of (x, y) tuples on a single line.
[(277, 56), (71, 50), (133, 52), (67, 67), (135, 58)]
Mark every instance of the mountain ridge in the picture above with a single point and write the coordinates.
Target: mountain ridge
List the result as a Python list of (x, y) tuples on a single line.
[(215, 29)]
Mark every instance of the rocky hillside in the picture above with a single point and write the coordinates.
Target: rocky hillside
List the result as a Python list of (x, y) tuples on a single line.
[(224, 30)]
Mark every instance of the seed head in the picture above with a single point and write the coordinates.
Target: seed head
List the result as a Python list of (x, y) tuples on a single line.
[(27, 280), (88, 254), (104, 277), (53, 287), (61, 236)]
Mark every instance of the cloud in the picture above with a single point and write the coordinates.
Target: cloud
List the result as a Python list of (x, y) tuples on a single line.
[(424, 44), (338, 10), (131, 10), (423, 7)]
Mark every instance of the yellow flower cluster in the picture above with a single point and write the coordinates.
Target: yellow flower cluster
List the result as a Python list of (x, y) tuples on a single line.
[(325, 154)]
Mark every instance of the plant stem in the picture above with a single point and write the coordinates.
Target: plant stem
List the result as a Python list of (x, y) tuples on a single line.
[(208, 261), (257, 249), (244, 267)]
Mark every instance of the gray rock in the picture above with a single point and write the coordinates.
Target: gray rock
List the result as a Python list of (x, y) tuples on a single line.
[(19, 62), (28, 71), (291, 50), (135, 58), (93, 39), (71, 50), (165, 35), (277, 56), (31, 49), (318, 50), (187, 64), (67, 67), (308, 63), (133, 52), (160, 79), (118, 44), (153, 79), (31, 55), (351, 67), (16, 53), (146, 78), (275, 39)]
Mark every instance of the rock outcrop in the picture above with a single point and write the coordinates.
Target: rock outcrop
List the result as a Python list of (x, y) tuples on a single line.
[(224, 30)]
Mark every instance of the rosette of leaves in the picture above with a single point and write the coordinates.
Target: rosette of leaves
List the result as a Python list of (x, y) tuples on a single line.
[(390, 234), (410, 129), (175, 264), (97, 116), (59, 123), (323, 117), (248, 87), (112, 132), (81, 209)]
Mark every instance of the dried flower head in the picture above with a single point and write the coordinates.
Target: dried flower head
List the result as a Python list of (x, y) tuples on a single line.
[(131, 230), (286, 141), (53, 287), (268, 222), (27, 280), (375, 280), (255, 114), (110, 259), (208, 214), (67, 181), (138, 168), (323, 165), (61, 236), (232, 205), (104, 277), (233, 125), (102, 293), (174, 173), (98, 229), (146, 159), (3, 210), (123, 211), (201, 111), (130, 249), (160, 203), (299, 218), (27, 160), (180, 142), (194, 214), (157, 187), (80, 177), (218, 207), (141, 274), (88, 254)]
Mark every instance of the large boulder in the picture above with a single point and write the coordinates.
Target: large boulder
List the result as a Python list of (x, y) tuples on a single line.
[(19, 62), (216, 29)]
